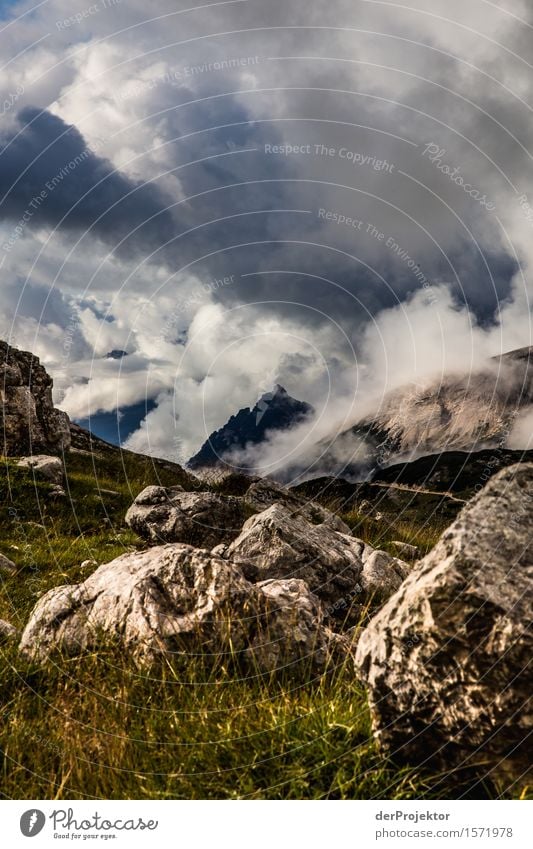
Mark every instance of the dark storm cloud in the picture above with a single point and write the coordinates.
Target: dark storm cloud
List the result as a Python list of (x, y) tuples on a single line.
[(37, 302), (50, 177), (378, 81), (357, 105)]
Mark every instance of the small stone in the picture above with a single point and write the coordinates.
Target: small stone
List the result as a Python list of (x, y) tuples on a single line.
[(44, 466), (7, 631), (7, 567), (202, 519), (412, 552)]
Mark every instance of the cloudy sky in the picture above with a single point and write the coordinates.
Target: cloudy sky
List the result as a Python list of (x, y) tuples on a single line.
[(333, 196)]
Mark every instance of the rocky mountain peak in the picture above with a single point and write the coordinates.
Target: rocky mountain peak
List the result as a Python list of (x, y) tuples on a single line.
[(274, 411)]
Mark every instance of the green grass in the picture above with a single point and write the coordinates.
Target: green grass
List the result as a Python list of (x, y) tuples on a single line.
[(99, 726), (381, 534), (48, 538)]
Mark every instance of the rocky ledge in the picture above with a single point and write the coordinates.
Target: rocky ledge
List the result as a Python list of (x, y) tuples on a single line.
[(29, 422)]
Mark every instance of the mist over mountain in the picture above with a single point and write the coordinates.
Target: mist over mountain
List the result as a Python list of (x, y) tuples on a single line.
[(491, 407), (274, 411), (469, 411)]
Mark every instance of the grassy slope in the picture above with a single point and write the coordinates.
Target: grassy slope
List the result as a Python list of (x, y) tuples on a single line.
[(99, 727)]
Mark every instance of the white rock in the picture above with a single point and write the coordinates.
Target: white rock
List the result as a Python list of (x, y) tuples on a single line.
[(406, 549), (44, 466), (202, 519), (7, 631), (175, 600), (279, 544), (382, 575), (447, 659), (264, 493)]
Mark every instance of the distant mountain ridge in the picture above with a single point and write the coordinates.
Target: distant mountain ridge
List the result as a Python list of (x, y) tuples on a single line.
[(274, 411), (459, 412), (469, 411)]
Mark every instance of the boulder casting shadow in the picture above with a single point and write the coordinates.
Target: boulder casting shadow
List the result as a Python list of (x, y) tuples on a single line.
[(447, 660)]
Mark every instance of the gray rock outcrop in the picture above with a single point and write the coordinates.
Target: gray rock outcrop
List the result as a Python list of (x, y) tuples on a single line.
[(207, 519), (202, 519), (29, 422), (176, 600), (447, 659), (278, 543), (262, 494)]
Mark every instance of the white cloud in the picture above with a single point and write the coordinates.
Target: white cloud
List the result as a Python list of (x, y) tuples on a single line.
[(407, 74)]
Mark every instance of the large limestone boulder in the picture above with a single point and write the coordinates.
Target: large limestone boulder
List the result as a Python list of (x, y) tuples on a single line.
[(29, 422), (292, 630), (447, 659), (278, 543), (44, 466), (262, 494), (202, 519), (175, 600), (382, 574)]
